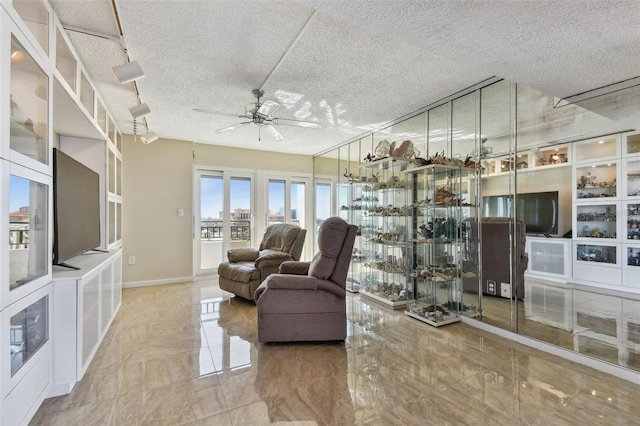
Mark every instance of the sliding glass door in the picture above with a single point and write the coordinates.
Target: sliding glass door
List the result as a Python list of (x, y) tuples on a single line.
[(224, 216), (289, 200)]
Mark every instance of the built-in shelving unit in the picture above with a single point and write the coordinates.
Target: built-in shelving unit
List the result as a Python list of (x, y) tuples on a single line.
[(48, 101)]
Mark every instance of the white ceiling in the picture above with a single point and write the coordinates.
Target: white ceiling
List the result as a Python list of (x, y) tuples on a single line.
[(348, 65)]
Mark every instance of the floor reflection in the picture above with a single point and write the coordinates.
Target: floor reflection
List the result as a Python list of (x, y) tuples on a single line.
[(189, 354), (605, 326)]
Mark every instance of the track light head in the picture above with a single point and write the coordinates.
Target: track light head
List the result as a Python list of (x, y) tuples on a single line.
[(126, 73), (140, 111), (149, 137)]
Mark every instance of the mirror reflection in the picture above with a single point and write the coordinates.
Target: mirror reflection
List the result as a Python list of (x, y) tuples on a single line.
[(558, 202)]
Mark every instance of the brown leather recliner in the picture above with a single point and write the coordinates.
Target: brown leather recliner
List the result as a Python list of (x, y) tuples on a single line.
[(248, 267), (306, 301)]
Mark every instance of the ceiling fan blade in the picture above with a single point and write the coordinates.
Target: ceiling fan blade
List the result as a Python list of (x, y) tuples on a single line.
[(226, 114), (235, 126), (267, 108), (299, 123), (274, 132)]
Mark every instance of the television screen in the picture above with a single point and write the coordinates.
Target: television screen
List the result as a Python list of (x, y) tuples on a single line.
[(538, 210), (76, 205)]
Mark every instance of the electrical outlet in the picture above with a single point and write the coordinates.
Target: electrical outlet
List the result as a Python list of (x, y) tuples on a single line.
[(180, 212), (132, 260), (491, 287)]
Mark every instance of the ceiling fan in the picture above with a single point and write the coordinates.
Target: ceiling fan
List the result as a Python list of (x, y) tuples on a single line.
[(261, 113)]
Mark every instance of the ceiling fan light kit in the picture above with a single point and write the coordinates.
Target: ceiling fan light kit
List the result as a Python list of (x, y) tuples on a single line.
[(261, 113)]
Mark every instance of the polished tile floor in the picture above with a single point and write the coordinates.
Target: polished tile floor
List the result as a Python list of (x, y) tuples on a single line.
[(188, 354)]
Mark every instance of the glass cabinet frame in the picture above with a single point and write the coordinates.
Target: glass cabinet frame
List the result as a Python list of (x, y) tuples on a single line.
[(597, 149), (435, 247), (631, 144), (383, 232), (7, 295), (597, 220), (596, 181), (551, 156), (11, 379), (631, 178), (631, 265), (631, 221), (24, 120)]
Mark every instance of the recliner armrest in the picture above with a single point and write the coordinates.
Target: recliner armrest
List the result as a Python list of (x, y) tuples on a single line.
[(242, 254), (298, 283), (271, 258), (292, 267)]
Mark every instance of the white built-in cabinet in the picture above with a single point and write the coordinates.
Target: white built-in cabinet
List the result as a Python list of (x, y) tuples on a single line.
[(606, 212), (47, 100), (84, 305)]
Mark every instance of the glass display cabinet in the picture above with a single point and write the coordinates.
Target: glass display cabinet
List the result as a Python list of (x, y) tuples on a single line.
[(383, 231), (551, 156), (633, 221), (632, 143), (29, 117), (596, 220), (435, 246), (28, 255), (602, 254), (352, 207), (28, 331), (631, 267), (596, 181), (596, 149), (632, 178)]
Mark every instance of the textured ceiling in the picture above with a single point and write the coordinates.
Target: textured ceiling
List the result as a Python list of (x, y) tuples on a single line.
[(347, 65)]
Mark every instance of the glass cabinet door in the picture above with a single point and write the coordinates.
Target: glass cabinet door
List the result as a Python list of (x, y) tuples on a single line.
[(596, 149), (28, 331), (29, 119), (66, 63), (596, 181), (28, 232), (36, 17)]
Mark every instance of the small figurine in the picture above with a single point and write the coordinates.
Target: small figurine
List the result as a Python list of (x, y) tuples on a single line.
[(369, 158)]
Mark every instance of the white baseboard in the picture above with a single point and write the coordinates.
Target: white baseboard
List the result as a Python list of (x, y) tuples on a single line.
[(176, 280), (578, 358)]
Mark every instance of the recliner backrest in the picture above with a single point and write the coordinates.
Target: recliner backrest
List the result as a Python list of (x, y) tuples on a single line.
[(284, 237), (335, 244)]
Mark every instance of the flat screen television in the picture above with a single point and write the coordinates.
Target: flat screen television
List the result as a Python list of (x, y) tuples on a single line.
[(538, 210), (76, 208)]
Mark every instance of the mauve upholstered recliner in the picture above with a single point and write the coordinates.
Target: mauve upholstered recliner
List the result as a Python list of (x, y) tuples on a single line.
[(306, 301), (248, 267)]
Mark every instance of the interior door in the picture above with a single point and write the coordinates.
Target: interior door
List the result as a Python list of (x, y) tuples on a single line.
[(223, 218)]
